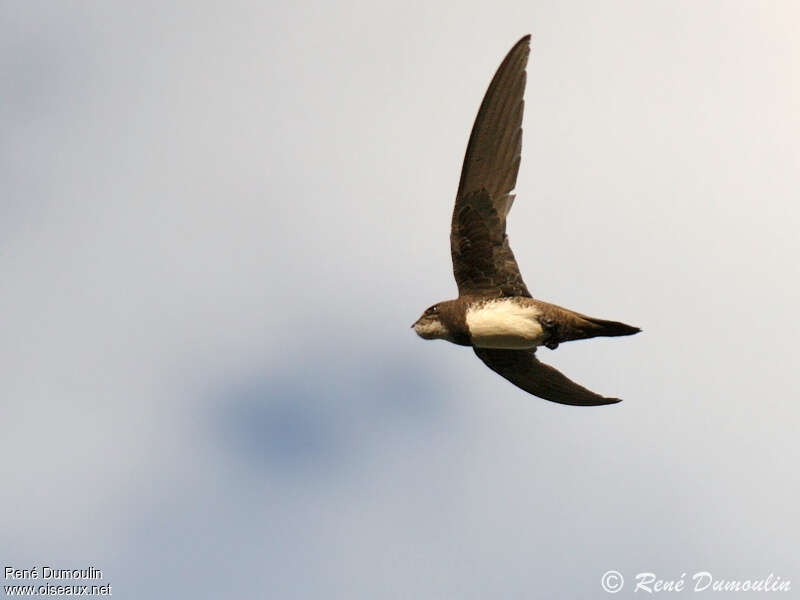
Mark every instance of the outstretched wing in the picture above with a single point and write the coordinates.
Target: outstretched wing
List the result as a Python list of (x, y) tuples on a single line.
[(483, 263), (523, 369)]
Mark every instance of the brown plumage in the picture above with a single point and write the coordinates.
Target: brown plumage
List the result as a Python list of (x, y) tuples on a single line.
[(483, 263), (495, 313)]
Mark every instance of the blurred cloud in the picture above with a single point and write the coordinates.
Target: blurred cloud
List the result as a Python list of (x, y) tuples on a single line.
[(304, 423)]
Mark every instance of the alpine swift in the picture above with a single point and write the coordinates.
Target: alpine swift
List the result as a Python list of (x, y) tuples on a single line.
[(494, 312)]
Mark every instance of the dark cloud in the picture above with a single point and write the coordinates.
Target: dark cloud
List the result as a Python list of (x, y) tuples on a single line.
[(322, 415)]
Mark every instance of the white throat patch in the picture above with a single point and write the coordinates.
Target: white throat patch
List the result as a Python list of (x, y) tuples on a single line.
[(431, 330), (505, 324)]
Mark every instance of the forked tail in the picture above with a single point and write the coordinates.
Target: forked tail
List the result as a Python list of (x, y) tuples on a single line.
[(581, 327), (601, 327)]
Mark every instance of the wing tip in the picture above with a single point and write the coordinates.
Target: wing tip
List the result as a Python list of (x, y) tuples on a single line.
[(601, 401), (525, 40)]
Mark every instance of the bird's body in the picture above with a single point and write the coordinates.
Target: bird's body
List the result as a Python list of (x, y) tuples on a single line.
[(510, 323), (494, 312), (513, 323)]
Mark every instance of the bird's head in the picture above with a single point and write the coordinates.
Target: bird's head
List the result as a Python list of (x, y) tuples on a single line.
[(431, 326)]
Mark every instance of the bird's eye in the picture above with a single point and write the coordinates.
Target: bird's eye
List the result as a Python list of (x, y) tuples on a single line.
[(434, 309)]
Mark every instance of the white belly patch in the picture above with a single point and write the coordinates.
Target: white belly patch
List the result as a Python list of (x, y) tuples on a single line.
[(505, 324)]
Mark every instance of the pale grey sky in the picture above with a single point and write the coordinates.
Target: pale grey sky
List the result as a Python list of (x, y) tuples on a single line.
[(218, 224)]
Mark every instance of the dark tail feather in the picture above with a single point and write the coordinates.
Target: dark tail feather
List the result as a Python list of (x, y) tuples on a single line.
[(600, 327), (582, 327)]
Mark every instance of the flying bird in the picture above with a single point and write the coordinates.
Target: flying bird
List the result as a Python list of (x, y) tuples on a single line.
[(494, 312)]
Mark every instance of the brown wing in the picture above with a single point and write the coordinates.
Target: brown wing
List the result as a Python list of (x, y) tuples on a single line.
[(523, 369), (483, 263)]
